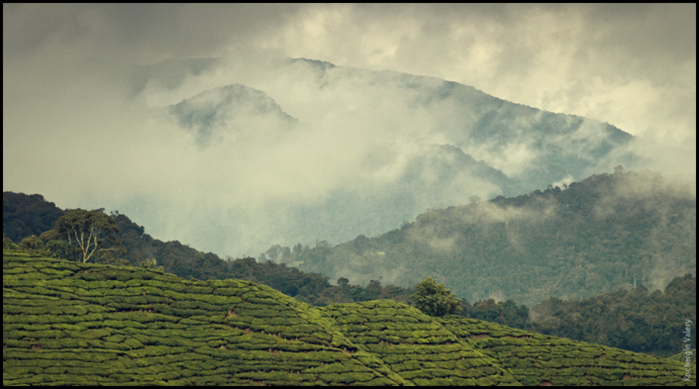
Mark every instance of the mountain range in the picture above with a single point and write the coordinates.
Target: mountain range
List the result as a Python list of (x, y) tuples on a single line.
[(365, 150)]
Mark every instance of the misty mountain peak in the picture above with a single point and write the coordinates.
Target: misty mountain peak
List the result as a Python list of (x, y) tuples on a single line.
[(232, 110), (529, 145)]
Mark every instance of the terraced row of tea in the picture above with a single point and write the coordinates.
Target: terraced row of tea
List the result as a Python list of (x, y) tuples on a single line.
[(70, 323)]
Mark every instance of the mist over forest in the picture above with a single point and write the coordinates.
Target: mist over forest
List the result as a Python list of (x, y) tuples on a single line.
[(606, 232), (297, 150)]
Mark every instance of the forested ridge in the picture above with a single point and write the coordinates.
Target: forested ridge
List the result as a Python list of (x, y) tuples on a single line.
[(24, 215), (636, 319), (71, 323), (606, 232)]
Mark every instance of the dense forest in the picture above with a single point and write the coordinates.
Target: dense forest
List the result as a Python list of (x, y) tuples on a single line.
[(606, 232), (25, 215), (634, 320)]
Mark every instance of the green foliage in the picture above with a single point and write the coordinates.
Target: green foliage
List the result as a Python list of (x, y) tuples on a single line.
[(151, 263), (24, 215), (633, 320), (595, 236), (686, 356), (7, 243), (536, 359), (31, 243), (62, 249), (503, 312), (186, 262), (434, 299), (91, 231), (108, 257)]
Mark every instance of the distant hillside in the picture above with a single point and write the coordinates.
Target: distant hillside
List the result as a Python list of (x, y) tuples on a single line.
[(547, 146), (68, 323), (24, 215), (233, 111), (634, 320), (606, 232)]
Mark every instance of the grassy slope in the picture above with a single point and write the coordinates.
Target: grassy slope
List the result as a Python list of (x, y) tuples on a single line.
[(69, 323)]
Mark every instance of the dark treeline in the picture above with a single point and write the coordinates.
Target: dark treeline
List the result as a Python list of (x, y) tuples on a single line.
[(187, 262), (635, 320)]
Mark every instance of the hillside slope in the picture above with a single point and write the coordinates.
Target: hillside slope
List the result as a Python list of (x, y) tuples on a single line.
[(66, 323), (70, 323)]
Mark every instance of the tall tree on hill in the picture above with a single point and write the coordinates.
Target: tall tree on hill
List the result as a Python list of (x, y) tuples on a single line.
[(91, 231), (434, 299)]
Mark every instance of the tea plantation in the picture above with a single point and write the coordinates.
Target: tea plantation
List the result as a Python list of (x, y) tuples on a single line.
[(66, 323)]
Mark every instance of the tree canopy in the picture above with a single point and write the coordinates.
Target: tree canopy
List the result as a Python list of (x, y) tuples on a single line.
[(25, 215), (91, 231), (434, 299)]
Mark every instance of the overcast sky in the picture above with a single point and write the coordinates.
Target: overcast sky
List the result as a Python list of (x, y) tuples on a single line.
[(70, 114)]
